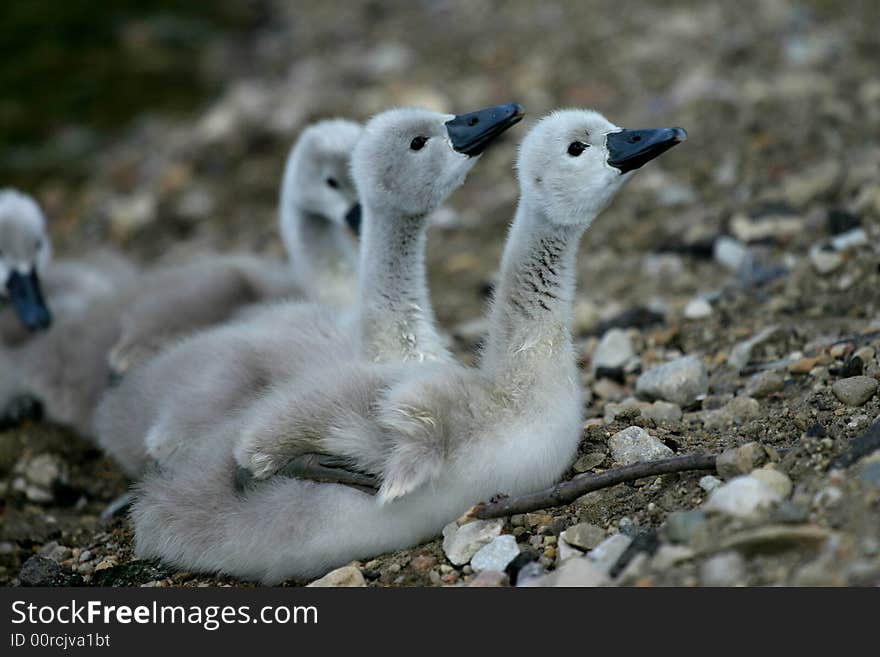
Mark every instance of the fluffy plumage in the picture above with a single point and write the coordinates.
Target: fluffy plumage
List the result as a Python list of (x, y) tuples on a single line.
[(440, 436)]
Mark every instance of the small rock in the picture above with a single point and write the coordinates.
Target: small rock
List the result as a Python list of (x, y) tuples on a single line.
[(685, 527), (804, 365), (461, 543), (681, 381), (566, 551), (490, 579), (635, 445), (613, 351), (669, 555), (775, 479), (825, 259), (584, 535), (740, 460), (423, 563), (629, 406), (737, 411), (697, 308), (55, 552), (588, 461), (725, 569), (609, 390), (869, 471), (709, 483), (854, 391), (574, 572), (766, 383), (44, 470), (730, 252), (347, 576), (40, 571), (605, 555), (850, 239), (110, 562), (661, 411), (495, 555), (742, 497)]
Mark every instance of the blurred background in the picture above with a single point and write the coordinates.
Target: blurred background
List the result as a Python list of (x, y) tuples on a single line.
[(162, 127)]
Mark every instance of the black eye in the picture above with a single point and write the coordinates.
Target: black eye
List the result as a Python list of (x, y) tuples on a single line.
[(332, 182), (575, 148), (418, 143)]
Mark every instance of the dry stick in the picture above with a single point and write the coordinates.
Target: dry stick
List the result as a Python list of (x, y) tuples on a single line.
[(568, 491)]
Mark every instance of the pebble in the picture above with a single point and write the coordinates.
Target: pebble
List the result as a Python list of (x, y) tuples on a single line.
[(855, 390), (347, 576), (869, 471), (741, 354), (584, 535), (766, 383), (490, 579), (635, 445), (775, 479), (743, 497), (661, 411), (740, 460), (588, 461), (825, 259), (461, 543), (725, 569), (40, 571), (55, 552), (697, 308), (495, 555), (669, 555), (606, 554), (681, 381), (614, 350), (613, 410), (849, 239), (566, 551), (737, 411), (573, 573), (685, 527), (730, 252), (709, 483)]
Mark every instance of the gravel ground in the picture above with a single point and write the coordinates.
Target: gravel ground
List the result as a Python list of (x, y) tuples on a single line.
[(751, 252)]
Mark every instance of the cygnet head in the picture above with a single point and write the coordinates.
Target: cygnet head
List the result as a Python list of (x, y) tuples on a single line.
[(409, 160), (317, 178), (24, 251), (573, 161)]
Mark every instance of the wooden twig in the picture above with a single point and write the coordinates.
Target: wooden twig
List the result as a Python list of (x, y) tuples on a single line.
[(568, 491)]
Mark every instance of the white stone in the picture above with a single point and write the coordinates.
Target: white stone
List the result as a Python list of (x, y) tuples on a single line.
[(614, 350), (635, 445), (461, 543), (697, 308), (709, 483), (347, 576), (681, 381), (606, 554), (742, 497), (495, 555)]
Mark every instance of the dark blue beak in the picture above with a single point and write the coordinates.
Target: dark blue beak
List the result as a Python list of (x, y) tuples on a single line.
[(27, 299), (353, 219), (470, 133), (630, 149)]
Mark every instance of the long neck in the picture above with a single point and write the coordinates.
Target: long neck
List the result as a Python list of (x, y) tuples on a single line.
[(531, 317), (396, 319), (322, 255)]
